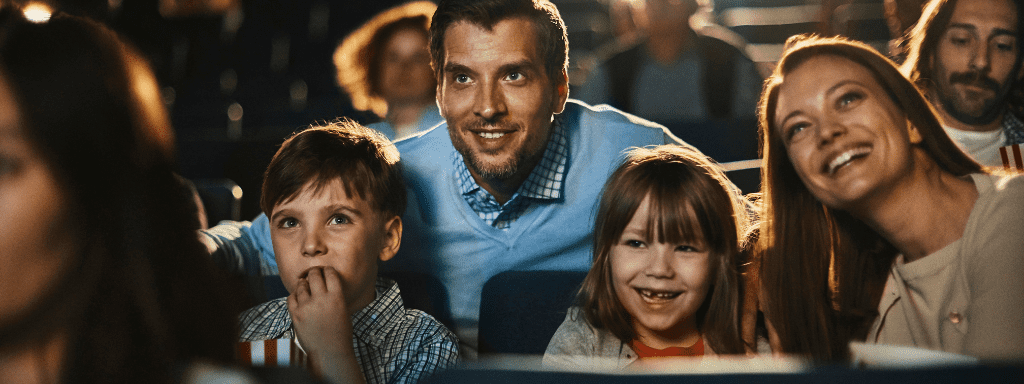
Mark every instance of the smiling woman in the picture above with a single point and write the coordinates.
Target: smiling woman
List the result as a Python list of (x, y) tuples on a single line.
[(864, 193)]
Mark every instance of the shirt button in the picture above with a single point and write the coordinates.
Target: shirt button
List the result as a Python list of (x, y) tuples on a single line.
[(955, 317)]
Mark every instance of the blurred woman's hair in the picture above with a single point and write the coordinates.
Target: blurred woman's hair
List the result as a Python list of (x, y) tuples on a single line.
[(822, 271), (358, 58), (141, 297)]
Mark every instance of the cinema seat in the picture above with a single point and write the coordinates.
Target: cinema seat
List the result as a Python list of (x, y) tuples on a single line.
[(520, 310)]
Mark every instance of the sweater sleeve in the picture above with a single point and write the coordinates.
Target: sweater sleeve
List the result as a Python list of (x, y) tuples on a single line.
[(995, 275), (243, 247)]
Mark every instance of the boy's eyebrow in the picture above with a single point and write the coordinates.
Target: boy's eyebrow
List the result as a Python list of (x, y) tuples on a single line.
[(330, 208), (274, 215), (343, 207)]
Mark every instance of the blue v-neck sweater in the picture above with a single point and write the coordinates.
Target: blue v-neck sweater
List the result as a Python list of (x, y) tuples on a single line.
[(445, 239)]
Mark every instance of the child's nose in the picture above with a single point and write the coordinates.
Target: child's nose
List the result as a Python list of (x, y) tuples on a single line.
[(313, 244), (659, 265)]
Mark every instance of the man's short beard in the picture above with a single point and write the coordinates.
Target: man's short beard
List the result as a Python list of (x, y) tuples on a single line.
[(991, 110), (505, 171)]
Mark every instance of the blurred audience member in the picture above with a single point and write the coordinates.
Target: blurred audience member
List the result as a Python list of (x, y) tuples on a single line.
[(188, 193), (385, 68), (675, 74), (966, 57), (104, 279), (900, 16)]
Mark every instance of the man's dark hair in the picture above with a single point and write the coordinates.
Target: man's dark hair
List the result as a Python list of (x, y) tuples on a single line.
[(364, 160), (552, 39), (924, 40)]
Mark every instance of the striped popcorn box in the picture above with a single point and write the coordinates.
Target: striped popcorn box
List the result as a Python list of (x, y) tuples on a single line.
[(271, 353), (1011, 155)]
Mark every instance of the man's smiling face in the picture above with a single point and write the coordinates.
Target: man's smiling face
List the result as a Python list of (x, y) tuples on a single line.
[(497, 97)]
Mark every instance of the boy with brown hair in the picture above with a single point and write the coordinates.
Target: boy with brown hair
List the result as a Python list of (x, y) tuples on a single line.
[(334, 196)]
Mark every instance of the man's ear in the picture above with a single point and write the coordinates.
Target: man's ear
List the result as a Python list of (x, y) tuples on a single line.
[(392, 238), (561, 84)]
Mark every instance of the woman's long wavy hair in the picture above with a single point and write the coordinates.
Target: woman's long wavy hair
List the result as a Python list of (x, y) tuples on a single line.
[(691, 200), (822, 271), (140, 298)]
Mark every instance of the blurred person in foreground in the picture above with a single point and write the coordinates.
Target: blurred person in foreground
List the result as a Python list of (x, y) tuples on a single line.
[(103, 277), (384, 66)]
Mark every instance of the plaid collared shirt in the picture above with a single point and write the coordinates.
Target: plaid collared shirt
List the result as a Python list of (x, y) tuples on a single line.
[(392, 344), (1013, 128), (544, 183)]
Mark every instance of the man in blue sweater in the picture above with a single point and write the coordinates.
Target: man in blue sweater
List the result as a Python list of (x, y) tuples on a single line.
[(511, 181)]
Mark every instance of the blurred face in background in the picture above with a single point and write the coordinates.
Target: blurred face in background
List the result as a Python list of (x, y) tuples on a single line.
[(405, 74), (668, 16), (35, 237)]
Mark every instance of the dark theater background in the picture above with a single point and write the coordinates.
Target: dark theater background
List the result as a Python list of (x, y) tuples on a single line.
[(238, 76)]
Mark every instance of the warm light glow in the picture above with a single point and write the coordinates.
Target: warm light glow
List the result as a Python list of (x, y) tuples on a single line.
[(235, 112), (37, 12)]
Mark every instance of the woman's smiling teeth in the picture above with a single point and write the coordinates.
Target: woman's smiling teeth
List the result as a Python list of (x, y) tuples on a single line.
[(846, 157), (490, 135), (658, 295)]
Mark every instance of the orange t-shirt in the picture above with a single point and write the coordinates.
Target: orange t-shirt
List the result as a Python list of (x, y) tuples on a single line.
[(643, 351)]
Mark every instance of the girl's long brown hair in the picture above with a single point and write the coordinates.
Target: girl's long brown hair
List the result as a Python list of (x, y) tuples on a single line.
[(822, 272), (691, 200)]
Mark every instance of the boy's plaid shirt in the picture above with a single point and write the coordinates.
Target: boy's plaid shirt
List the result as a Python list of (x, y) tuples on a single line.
[(392, 344)]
